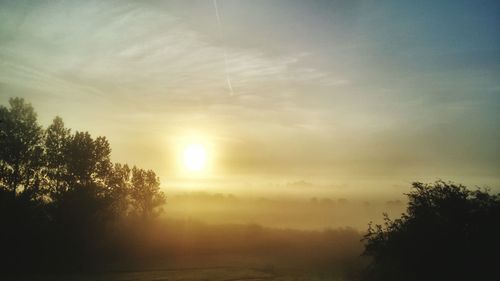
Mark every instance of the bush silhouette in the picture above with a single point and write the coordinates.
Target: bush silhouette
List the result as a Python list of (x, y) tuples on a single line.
[(447, 233)]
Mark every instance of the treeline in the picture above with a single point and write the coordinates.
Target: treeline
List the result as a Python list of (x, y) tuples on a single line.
[(62, 200)]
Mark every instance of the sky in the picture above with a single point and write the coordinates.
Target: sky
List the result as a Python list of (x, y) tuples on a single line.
[(361, 97)]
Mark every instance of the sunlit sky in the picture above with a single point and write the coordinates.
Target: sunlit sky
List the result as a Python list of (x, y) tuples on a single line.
[(356, 95)]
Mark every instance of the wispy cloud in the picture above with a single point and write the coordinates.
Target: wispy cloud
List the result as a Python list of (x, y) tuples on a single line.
[(134, 49)]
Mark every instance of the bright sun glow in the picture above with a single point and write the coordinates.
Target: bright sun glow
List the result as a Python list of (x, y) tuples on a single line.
[(195, 157)]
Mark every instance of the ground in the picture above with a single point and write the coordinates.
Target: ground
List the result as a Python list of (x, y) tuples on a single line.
[(191, 274)]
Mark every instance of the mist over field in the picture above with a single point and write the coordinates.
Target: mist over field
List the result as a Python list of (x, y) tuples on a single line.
[(314, 213)]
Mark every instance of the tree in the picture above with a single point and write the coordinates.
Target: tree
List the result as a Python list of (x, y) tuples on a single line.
[(447, 233), (88, 161), (145, 192), (22, 220), (21, 149), (118, 188), (56, 142)]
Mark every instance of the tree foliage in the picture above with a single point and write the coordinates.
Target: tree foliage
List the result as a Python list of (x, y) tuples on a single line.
[(447, 233), (20, 148)]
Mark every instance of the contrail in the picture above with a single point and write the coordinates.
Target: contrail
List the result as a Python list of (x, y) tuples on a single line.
[(221, 34)]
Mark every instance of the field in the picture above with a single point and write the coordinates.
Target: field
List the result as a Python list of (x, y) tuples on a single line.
[(188, 274)]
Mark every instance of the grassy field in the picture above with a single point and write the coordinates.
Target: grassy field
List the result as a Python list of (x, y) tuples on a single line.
[(189, 274)]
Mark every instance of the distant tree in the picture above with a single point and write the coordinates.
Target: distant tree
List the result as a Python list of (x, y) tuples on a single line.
[(447, 233), (145, 193), (21, 149)]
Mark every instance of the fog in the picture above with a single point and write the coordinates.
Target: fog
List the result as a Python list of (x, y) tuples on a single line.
[(308, 213)]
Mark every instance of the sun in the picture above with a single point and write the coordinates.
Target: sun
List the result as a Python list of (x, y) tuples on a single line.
[(195, 157)]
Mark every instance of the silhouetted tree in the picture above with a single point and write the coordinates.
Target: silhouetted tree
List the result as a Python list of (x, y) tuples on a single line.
[(56, 142), (144, 192), (23, 220), (118, 188), (21, 149), (447, 233), (88, 160)]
